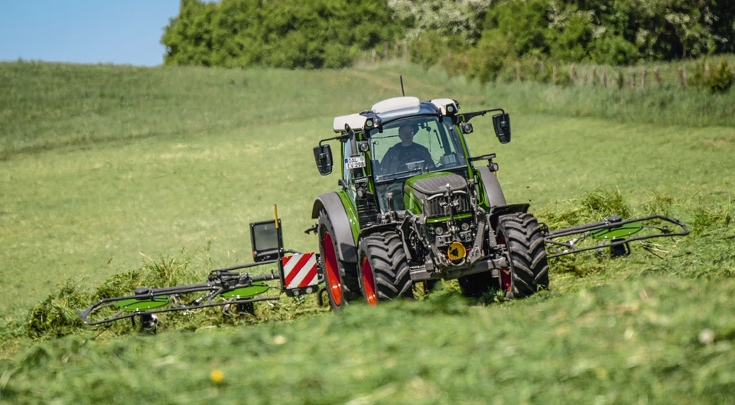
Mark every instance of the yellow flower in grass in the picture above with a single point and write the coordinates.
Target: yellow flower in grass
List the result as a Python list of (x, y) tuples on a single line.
[(217, 376)]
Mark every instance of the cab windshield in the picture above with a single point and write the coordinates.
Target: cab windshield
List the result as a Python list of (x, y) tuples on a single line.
[(415, 145)]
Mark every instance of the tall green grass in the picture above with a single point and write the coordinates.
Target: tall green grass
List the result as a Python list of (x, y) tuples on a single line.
[(667, 105), (45, 105), (640, 341), (693, 258), (225, 145), (112, 177)]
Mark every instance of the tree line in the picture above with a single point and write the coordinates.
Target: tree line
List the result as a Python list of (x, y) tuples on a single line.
[(277, 33), (478, 38)]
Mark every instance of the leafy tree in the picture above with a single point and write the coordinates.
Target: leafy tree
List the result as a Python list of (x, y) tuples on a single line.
[(524, 24), (454, 18), (723, 25), (188, 37), (478, 37), (277, 33), (492, 53), (571, 36)]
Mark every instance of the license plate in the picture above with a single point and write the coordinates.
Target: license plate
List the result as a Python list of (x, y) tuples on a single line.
[(355, 162)]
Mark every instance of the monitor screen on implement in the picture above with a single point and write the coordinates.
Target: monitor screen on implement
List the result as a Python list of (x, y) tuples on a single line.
[(266, 240)]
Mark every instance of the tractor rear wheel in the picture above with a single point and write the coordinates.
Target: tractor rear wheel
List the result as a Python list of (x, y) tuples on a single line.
[(339, 276), (529, 270), (383, 270)]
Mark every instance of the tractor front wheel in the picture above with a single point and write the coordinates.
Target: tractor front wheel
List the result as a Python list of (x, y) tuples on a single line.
[(383, 270), (339, 276), (528, 268)]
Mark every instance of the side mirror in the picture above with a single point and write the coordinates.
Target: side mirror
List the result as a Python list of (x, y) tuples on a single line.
[(323, 157), (501, 122)]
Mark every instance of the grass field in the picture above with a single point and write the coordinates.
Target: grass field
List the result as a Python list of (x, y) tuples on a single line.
[(104, 169)]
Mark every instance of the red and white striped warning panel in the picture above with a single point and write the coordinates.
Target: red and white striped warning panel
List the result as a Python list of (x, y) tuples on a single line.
[(299, 271)]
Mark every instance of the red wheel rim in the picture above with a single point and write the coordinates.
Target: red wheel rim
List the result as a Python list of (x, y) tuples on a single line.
[(368, 282), (330, 263), (505, 277)]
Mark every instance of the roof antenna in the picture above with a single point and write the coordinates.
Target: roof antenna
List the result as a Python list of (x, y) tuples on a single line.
[(402, 92)]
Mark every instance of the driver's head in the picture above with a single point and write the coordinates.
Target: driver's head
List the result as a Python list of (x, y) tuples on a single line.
[(406, 132)]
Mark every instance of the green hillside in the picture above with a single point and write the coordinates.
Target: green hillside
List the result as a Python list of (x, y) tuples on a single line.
[(105, 169)]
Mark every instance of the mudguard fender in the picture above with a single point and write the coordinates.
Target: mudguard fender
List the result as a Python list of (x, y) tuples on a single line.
[(490, 183), (331, 203)]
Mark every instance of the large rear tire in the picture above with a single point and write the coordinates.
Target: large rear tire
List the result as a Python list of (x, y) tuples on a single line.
[(340, 277), (383, 270), (529, 269)]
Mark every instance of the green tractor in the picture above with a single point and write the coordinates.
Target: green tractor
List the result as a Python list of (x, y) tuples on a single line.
[(415, 206)]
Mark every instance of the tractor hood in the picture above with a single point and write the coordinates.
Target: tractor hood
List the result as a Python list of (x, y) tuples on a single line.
[(433, 194)]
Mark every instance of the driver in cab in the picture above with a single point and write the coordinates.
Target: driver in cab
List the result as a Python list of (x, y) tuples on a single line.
[(406, 151)]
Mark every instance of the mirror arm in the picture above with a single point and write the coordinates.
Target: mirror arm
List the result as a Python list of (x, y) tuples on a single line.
[(353, 140), (341, 138), (468, 116)]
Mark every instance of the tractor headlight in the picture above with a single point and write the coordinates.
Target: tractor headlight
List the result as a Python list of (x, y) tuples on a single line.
[(369, 123)]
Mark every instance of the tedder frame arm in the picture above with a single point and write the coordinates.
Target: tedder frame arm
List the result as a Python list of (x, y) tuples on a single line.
[(232, 287), (613, 232), (297, 275)]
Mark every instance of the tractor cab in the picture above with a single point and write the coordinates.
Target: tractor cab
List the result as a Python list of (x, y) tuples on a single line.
[(400, 141), (413, 146)]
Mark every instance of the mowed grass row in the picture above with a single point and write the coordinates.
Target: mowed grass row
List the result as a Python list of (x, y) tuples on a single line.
[(651, 340), (86, 209)]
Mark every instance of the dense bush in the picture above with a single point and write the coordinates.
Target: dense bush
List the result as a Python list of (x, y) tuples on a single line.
[(516, 33), (480, 38), (612, 31), (277, 33), (717, 80), (454, 20)]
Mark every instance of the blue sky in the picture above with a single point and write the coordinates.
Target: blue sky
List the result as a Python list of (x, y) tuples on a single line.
[(85, 31)]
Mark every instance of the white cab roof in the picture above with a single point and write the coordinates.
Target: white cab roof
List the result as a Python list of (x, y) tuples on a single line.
[(442, 103), (355, 121), (396, 106)]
